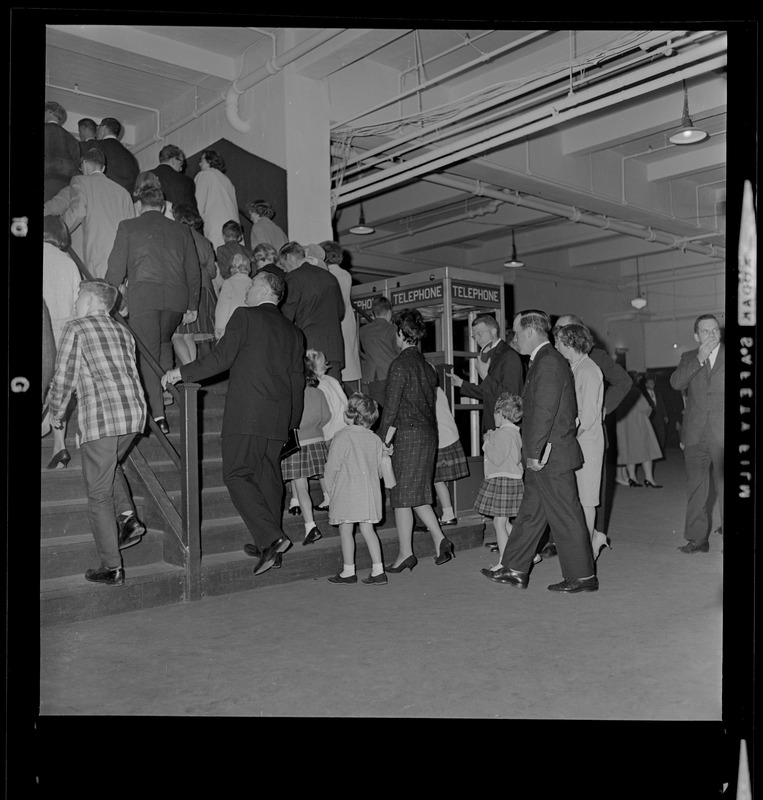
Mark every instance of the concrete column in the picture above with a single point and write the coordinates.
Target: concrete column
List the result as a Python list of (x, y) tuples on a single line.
[(307, 159)]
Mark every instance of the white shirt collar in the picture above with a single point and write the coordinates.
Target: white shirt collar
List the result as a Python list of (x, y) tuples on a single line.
[(488, 347), (714, 355)]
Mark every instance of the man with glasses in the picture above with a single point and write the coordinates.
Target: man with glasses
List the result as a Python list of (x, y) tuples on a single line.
[(701, 374), (498, 365), (98, 205)]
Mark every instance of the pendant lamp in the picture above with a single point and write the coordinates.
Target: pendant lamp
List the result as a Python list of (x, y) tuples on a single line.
[(361, 228), (513, 261), (688, 134)]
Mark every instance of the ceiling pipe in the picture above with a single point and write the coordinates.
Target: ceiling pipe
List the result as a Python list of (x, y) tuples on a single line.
[(465, 43), (576, 215), (271, 67), (222, 98), (570, 107), (535, 83)]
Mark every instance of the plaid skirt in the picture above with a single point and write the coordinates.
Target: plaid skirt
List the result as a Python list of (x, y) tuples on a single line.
[(451, 463), (308, 462), (499, 497), (413, 460)]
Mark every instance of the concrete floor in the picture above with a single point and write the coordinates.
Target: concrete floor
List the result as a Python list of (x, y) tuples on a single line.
[(440, 642)]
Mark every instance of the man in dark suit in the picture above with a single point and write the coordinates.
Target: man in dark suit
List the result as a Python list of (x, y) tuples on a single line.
[(158, 259), (497, 364), (61, 151), (378, 349), (178, 188), (552, 454), (264, 353), (121, 164), (315, 305), (701, 374), (87, 134)]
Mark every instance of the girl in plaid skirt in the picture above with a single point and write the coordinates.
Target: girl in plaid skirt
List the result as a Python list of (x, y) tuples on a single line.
[(501, 491), (310, 460)]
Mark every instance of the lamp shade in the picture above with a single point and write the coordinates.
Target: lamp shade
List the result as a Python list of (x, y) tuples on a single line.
[(513, 262), (687, 133), (638, 303), (361, 228)]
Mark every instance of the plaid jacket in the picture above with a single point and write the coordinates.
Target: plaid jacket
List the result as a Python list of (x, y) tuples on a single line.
[(96, 358)]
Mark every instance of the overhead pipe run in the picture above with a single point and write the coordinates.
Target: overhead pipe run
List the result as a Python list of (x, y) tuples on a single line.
[(576, 215), (271, 67)]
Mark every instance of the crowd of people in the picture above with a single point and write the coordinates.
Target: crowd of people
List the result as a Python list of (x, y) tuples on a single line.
[(167, 254)]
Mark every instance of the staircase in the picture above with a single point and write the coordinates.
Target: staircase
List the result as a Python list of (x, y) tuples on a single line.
[(67, 549)]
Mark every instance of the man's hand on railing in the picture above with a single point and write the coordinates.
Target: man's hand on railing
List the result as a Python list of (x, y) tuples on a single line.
[(189, 316), (171, 376)]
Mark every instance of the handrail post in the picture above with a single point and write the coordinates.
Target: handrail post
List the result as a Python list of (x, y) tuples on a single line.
[(189, 488)]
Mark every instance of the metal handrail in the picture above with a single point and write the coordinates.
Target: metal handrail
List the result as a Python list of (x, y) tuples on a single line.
[(186, 462)]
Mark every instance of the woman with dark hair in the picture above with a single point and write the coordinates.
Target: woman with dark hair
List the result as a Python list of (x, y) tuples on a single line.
[(264, 230), (147, 180), (409, 408), (203, 327), (60, 287), (215, 196), (574, 342)]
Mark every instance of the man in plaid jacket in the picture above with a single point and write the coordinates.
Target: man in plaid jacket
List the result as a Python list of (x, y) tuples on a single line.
[(96, 358)]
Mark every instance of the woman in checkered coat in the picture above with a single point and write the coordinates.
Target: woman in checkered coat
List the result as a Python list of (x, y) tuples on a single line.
[(409, 407)]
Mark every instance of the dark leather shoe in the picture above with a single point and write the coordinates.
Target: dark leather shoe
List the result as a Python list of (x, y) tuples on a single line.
[(692, 547), (447, 522), (633, 484), (340, 580), (650, 485), (252, 550), (312, 536), (113, 577), (375, 580), (130, 532), (270, 554), (163, 426), (549, 551), (487, 572), (572, 585), (512, 577), (490, 545)]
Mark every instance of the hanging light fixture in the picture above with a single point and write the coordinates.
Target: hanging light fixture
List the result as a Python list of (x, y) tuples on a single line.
[(638, 302), (513, 261), (361, 228), (688, 134)]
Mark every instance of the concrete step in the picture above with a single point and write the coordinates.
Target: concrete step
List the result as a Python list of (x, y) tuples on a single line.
[(69, 517), (71, 598)]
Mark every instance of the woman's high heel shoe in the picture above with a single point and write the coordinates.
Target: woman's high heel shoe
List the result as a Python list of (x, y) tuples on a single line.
[(409, 563), (631, 482), (60, 459), (446, 552), (651, 485)]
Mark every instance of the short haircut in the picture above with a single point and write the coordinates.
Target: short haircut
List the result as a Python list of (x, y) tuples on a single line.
[(88, 124), (214, 159), (58, 111), (55, 232), (333, 252), (380, 305), (311, 372), (94, 156), (292, 249), (535, 319), (509, 406), (145, 180), (269, 252), (410, 324), (240, 263), (276, 283), (578, 337), (105, 292), (232, 230), (112, 125), (188, 215), (704, 316), (573, 319), (361, 410), (170, 151), (261, 208), (488, 321), (151, 197)]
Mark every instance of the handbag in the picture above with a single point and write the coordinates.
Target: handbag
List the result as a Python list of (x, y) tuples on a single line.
[(291, 445)]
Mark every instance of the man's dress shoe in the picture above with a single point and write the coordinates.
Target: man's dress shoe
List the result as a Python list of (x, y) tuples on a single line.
[(255, 552), (113, 577), (130, 532), (271, 553), (549, 551), (512, 577), (572, 585), (692, 547)]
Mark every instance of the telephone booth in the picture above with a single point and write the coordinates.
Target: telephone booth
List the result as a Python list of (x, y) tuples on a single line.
[(449, 299)]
